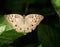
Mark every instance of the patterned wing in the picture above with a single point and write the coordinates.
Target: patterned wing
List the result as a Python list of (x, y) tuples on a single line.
[(16, 21), (31, 21)]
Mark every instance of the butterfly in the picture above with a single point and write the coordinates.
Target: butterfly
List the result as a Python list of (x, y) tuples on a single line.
[(24, 23)]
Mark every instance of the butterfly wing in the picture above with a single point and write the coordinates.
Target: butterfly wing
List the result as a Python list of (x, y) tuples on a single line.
[(32, 20), (16, 21)]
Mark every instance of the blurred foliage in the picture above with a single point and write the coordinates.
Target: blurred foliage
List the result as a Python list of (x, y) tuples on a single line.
[(56, 4), (40, 45), (46, 34), (7, 37)]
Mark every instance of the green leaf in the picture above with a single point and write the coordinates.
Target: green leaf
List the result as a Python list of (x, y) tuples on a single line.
[(47, 36), (2, 28), (40, 45), (5, 23), (8, 37), (56, 4)]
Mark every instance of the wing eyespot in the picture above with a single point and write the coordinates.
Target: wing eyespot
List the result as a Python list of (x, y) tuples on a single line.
[(16, 16), (32, 25), (35, 21), (12, 21), (20, 28), (27, 28), (15, 25), (12, 15)]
